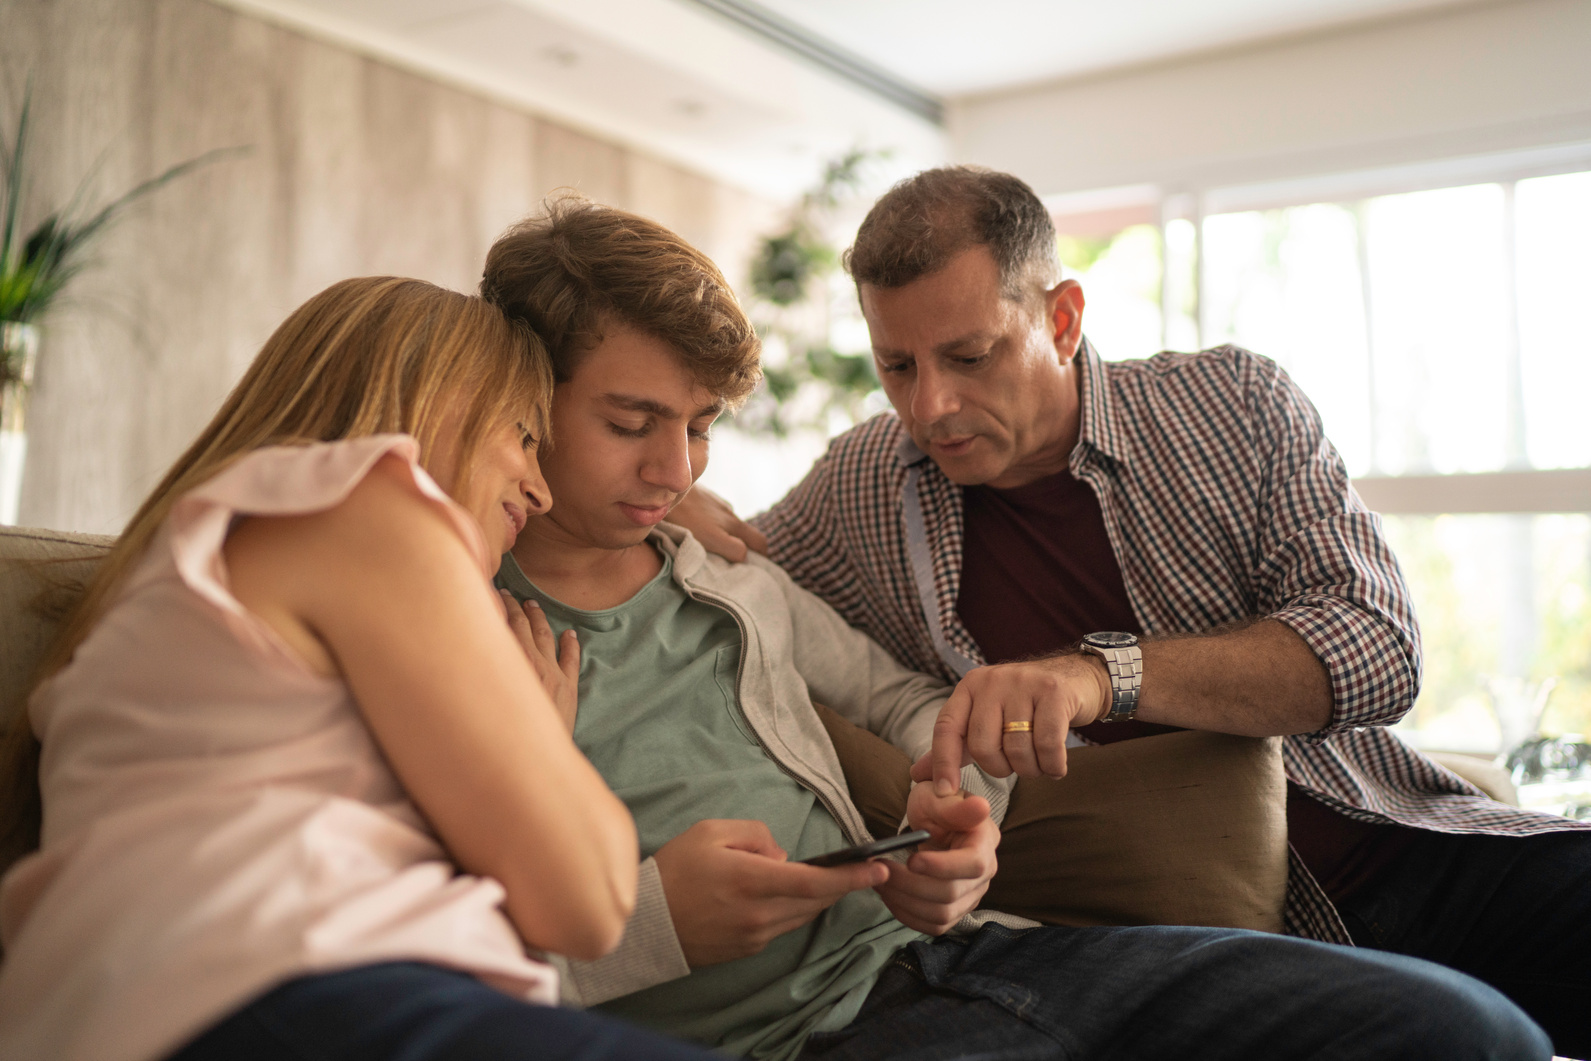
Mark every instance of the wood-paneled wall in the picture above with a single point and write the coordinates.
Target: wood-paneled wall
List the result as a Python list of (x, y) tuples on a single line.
[(354, 168)]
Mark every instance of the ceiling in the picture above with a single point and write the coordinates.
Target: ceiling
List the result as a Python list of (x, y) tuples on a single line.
[(759, 93), (953, 47)]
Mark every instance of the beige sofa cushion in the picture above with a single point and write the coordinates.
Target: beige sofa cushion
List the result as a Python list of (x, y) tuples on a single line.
[(42, 574), (1181, 829), (1480, 771)]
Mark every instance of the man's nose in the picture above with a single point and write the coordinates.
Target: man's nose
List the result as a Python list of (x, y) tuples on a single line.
[(934, 395), (669, 462), (538, 499)]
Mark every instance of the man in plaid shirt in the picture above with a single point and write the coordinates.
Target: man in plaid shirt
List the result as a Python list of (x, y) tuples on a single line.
[(1026, 494)]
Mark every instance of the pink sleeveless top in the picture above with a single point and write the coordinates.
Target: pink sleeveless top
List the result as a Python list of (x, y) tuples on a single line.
[(218, 818)]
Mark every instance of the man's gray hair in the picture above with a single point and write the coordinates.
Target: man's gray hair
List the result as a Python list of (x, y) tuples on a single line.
[(925, 220)]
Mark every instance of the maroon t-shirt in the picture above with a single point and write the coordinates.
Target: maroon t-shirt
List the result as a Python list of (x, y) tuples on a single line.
[(1038, 573)]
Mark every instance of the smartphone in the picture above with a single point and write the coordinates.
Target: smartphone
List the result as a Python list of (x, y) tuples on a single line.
[(863, 852)]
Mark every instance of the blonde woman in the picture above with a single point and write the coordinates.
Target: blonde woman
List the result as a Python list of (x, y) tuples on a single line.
[(304, 793)]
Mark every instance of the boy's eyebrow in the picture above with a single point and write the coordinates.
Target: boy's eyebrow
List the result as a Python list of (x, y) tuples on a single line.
[(638, 404)]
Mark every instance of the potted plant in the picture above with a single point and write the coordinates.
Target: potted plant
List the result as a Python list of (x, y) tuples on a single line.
[(34, 267)]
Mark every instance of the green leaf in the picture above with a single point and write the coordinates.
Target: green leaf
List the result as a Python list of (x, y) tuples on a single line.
[(787, 262), (35, 269), (15, 154), (787, 273)]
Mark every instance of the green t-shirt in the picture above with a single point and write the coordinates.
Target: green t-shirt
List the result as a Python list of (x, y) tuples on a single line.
[(660, 718)]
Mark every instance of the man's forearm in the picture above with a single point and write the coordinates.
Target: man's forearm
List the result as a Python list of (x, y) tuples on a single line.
[(1259, 680)]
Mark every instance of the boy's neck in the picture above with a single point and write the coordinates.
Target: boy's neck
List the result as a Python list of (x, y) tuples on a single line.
[(587, 577)]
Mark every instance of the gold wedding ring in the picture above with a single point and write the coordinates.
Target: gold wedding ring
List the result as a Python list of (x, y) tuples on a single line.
[(1018, 727)]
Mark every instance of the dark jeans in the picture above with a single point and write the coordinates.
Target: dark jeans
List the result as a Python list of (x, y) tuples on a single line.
[(1512, 911), (408, 1011), (1090, 994)]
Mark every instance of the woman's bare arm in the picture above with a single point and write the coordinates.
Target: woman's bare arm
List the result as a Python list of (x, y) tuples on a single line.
[(386, 586)]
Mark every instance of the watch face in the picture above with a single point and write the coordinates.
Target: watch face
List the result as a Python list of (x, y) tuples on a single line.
[(1111, 639)]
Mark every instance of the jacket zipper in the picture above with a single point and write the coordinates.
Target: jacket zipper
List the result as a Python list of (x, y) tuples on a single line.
[(740, 673)]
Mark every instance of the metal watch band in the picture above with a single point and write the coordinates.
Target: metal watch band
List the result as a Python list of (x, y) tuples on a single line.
[(1125, 665)]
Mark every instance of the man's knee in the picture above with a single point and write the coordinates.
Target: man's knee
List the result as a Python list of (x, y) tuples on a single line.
[(1400, 1007), (1228, 993), (1289, 997)]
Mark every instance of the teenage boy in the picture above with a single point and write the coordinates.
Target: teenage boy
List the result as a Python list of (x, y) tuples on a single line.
[(697, 682)]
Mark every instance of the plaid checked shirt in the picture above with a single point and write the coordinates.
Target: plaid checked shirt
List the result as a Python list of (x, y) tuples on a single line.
[(1223, 500)]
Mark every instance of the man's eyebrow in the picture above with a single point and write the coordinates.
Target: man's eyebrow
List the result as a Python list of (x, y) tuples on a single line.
[(946, 347), (974, 339), (637, 404)]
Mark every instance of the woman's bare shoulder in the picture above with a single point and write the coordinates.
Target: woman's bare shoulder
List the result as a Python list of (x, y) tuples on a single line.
[(289, 569)]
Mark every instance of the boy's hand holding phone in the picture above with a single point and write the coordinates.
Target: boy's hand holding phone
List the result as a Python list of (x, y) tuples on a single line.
[(872, 849), (948, 875), (731, 890)]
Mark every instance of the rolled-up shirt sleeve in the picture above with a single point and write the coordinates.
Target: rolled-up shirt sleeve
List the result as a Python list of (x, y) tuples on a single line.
[(1324, 567)]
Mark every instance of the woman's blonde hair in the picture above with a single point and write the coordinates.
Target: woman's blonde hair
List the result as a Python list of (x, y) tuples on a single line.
[(368, 356)]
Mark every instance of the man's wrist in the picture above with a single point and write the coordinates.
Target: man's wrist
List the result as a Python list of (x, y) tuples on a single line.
[(1123, 661), (1102, 684)]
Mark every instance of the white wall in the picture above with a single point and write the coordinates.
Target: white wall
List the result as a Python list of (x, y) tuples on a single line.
[(1486, 78)]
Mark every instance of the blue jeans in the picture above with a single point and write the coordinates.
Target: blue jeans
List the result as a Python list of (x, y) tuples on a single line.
[(408, 1011), (1514, 911), (1123, 994)]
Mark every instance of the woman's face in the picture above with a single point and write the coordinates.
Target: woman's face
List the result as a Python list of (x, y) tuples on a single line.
[(503, 485)]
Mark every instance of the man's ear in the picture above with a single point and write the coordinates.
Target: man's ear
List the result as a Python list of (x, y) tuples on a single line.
[(1064, 307)]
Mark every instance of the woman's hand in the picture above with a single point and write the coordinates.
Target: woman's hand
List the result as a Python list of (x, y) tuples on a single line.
[(555, 660)]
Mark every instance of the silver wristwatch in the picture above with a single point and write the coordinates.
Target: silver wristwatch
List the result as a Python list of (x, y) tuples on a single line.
[(1124, 661)]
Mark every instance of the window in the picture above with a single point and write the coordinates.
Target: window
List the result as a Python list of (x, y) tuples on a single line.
[(1443, 334)]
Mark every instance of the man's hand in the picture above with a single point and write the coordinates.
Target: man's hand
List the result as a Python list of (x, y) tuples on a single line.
[(716, 526), (730, 889), (555, 660), (1054, 695), (947, 876)]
